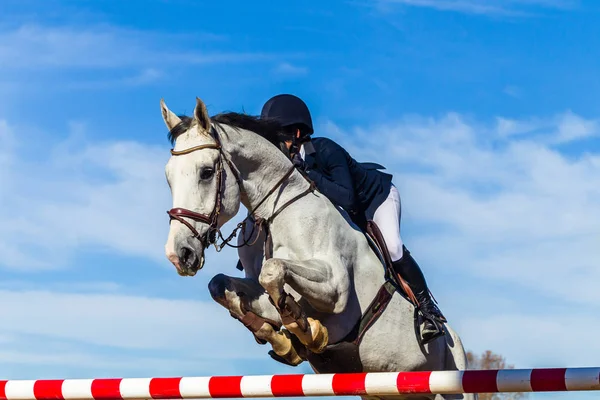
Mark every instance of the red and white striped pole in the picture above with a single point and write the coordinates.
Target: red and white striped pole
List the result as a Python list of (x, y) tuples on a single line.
[(375, 383)]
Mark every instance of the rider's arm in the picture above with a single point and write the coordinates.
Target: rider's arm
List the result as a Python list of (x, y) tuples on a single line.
[(338, 188)]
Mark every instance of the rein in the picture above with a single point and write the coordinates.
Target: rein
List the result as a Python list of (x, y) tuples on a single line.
[(212, 220)]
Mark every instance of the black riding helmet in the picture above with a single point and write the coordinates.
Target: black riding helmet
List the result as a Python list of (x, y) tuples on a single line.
[(290, 111)]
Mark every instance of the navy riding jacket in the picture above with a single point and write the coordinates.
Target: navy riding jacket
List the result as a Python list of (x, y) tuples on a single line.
[(359, 188)]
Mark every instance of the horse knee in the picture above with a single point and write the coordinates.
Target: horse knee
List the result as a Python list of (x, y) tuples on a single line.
[(272, 275), (217, 286)]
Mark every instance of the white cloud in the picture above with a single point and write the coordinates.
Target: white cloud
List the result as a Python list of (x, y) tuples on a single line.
[(119, 335), (7, 143), (98, 287), (507, 127), (573, 127), (72, 57), (62, 363), (485, 7), (559, 129), (77, 194), (288, 69), (121, 321), (512, 91), (549, 339), (35, 46), (143, 77)]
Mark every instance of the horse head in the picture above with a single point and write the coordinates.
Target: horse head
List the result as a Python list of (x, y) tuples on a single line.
[(203, 188)]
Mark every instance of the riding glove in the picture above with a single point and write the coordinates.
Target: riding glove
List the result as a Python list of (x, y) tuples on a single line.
[(299, 162)]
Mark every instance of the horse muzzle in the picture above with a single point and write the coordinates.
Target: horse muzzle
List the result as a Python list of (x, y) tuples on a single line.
[(189, 260), (189, 257)]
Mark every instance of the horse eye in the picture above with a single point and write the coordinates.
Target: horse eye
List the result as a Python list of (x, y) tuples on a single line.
[(207, 173)]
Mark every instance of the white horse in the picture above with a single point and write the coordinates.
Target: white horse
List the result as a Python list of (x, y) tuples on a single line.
[(318, 274)]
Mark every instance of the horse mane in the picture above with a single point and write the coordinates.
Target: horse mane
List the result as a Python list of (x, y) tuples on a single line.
[(270, 129)]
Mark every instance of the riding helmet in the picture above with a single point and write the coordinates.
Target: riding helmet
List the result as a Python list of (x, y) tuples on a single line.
[(288, 110)]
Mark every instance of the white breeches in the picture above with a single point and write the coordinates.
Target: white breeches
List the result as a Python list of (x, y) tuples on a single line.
[(387, 217)]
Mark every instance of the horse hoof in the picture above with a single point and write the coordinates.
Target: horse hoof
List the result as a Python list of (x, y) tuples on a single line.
[(284, 348), (285, 351), (287, 359), (320, 336)]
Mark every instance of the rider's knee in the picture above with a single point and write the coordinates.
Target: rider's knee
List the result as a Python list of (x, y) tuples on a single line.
[(395, 250)]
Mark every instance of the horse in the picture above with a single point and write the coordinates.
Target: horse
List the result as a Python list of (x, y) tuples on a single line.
[(311, 275)]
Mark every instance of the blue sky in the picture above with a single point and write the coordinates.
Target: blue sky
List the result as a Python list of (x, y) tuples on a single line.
[(486, 113)]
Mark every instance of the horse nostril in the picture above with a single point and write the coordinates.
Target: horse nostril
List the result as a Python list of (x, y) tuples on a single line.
[(186, 254)]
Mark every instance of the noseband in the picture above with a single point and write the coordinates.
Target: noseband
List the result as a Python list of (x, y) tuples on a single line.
[(212, 220)]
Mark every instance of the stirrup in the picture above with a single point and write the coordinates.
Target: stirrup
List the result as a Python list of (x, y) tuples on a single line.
[(422, 318), (431, 336)]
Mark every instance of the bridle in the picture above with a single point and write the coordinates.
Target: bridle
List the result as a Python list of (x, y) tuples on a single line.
[(212, 219)]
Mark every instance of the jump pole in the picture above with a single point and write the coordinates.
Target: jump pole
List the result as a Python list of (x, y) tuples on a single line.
[(299, 385)]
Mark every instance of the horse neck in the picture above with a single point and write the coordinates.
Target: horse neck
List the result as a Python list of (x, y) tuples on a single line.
[(261, 166)]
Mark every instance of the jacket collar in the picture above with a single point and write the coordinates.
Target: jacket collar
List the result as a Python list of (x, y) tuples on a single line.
[(309, 148), (309, 154)]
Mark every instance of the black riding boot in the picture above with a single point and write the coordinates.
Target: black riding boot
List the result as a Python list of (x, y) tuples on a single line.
[(408, 268)]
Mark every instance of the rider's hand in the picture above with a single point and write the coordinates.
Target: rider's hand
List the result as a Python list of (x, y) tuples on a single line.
[(298, 162)]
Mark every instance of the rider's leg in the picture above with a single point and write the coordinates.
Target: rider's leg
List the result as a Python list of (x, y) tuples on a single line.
[(387, 217)]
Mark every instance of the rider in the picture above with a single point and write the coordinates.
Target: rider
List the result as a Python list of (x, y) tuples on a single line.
[(359, 188)]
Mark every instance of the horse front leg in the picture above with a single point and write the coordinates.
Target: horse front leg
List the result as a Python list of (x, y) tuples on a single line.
[(318, 284), (248, 302)]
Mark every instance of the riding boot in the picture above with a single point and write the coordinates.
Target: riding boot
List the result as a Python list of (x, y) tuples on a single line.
[(408, 268)]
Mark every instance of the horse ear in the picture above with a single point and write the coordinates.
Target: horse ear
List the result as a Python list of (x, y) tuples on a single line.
[(201, 115), (171, 120)]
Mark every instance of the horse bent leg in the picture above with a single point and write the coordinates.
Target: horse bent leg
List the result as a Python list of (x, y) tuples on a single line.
[(247, 302), (315, 282)]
